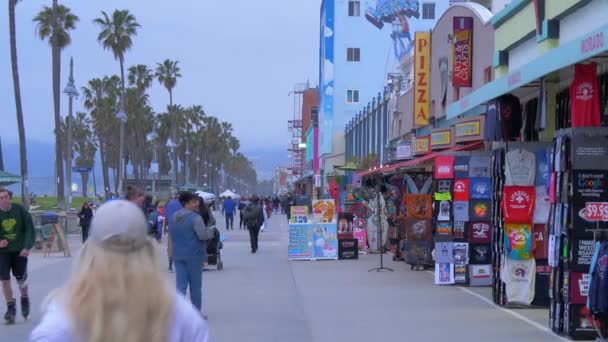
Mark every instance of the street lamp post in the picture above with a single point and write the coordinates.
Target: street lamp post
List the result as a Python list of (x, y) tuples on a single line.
[(154, 165), (71, 92), (122, 116), (198, 169), (171, 145)]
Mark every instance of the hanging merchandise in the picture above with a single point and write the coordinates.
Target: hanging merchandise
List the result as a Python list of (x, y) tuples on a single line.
[(510, 117), (479, 166), (444, 252), (598, 291), (519, 277), (444, 274), (461, 167), (461, 211), (520, 168), (460, 231), (585, 96), (418, 183), (542, 205), (444, 232), (481, 188), (377, 224), (480, 210), (480, 253), (444, 167), (480, 232), (444, 186), (419, 206), (518, 241), (418, 230), (461, 189), (518, 203), (461, 253)]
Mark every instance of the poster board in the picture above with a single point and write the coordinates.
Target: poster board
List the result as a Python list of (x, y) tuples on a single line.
[(65, 248), (300, 241), (313, 241), (299, 214), (324, 211)]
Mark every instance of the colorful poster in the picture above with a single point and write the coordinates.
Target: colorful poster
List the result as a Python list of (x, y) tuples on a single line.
[(422, 71), (462, 59), (444, 274), (361, 235), (299, 214), (325, 240), (300, 241), (324, 211)]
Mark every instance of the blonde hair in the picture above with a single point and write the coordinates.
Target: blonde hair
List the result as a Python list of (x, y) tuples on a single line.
[(113, 296)]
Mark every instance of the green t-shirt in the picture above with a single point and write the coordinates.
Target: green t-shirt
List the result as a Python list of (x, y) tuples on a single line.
[(17, 227)]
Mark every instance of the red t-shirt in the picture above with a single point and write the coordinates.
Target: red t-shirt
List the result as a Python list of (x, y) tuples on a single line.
[(585, 96), (444, 167), (461, 190), (518, 204)]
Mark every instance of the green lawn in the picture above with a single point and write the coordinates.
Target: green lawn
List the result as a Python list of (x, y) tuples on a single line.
[(50, 203)]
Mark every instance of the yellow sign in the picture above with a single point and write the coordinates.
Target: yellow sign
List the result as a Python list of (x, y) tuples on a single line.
[(469, 129), (441, 138), (422, 145), (422, 73)]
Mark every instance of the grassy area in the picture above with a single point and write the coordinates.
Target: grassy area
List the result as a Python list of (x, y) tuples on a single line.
[(50, 203)]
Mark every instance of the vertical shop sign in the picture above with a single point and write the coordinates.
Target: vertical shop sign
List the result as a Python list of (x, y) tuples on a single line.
[(421, 78), (462, 52)]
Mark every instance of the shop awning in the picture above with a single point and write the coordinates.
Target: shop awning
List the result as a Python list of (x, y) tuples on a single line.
[(417, 161), (577, 50)]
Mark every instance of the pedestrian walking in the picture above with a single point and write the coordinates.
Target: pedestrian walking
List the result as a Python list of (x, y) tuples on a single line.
[(136, 195), (17, 237), (229, 211), (241, 208), (85, 215), (117, 291), (154, 224), (189, 234), (254, 219), (170, 209)]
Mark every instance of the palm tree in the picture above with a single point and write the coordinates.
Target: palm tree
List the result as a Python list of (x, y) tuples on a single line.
[(18, 108), (116, 35), (140, 117), (54, 23), (167, 74), (84, 146)]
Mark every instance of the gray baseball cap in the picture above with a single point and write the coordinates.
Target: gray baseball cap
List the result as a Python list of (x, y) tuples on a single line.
[(119, 226)]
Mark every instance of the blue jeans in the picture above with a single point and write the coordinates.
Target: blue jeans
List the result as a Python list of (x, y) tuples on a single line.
[(189, 272), (229, 221)]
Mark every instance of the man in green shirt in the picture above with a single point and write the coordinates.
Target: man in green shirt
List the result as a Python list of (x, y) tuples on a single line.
[(16, 239)]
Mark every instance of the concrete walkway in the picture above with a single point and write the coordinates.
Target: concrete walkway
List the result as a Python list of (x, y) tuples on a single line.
[(264, 297)]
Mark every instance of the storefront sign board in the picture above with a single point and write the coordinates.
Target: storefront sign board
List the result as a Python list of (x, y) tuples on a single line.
[(422, 145), (469, 129), (462, 57), (442, 138), (422, 71)]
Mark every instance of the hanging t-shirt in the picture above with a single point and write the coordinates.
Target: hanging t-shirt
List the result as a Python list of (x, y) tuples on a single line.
[(510, 117), (480, 210), (585, 96), (461, 167), (542, 206), (492, 127), (479, 166), (461, 190), (444, 167), (518, 240), (481, 188), (518, 203), (481, 232), (460, 230), (542, 168), (520, 168), (461, 211), (519, 277)]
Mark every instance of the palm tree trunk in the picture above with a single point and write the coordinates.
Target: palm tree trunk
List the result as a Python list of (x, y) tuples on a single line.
[(85, 181), (104, 170), (56, 57), (18, 108)]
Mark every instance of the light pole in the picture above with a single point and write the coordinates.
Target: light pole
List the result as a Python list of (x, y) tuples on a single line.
[(198, 169), (171, 145), (71, 92), (122, 116), (154, 165)]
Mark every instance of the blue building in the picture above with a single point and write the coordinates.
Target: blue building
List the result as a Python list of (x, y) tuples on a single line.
[(361, 41)]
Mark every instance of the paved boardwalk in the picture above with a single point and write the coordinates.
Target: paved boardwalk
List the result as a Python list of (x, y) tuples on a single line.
[(264, 297)]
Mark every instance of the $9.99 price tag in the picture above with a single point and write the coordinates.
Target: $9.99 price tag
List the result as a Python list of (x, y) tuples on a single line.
[(596, 211)]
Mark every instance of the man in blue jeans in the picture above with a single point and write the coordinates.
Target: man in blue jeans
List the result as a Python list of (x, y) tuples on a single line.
[(188, 233), (229, 210)]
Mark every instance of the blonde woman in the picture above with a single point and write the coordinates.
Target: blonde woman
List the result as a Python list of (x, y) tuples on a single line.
[(116, 291)]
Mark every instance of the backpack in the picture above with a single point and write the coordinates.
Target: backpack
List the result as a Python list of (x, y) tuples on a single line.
[(253, 216)]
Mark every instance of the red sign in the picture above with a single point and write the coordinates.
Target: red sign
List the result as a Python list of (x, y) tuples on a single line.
[(444, 167), (596, 211), (462, 52)]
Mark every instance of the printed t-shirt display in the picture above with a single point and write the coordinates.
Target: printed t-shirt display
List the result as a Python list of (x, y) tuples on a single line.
[(510, 117), (585, 96), (444, 167), (461, 190), (461, 167), (519, 277), (518, 241), (480, 232), (518, 203), (520, 168), (480, 210), (461, 211), (479, 166), (480, 188), (444, 252)]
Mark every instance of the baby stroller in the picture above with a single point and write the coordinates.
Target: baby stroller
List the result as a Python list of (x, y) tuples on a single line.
[(214, 257)]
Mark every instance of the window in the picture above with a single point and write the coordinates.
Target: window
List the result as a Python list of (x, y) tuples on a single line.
[(354, 8), (352, 96), (428, 10), (353, 54)]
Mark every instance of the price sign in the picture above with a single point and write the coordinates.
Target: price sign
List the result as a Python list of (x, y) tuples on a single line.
[(299, 215), (596, 211)]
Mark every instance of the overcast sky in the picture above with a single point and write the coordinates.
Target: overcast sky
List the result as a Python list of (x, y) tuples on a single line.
[(239, 59)]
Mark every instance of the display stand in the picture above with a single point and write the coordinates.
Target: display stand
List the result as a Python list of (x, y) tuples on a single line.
[(382, 247), (65, 248)]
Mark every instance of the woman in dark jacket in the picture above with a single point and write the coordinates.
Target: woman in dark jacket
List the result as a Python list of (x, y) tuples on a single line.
[(85, 215)]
